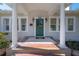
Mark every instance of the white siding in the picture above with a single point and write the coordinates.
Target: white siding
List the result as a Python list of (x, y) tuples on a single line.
[(74, 35), (69, 35), (30, 32)]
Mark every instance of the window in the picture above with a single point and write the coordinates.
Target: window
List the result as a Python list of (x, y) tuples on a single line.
[(53, 22), (70, 24), (23, 24), (6, 24)]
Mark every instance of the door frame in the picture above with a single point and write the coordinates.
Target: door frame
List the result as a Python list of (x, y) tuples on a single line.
[(35, 26)]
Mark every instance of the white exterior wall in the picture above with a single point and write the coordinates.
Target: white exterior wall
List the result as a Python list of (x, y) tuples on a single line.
[(74, 35), (30, 32), (69, 35), (31, 29)]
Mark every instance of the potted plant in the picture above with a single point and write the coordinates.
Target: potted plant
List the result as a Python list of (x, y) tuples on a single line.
[(4, 43)]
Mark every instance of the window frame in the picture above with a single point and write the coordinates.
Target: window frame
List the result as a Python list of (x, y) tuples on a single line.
[(10, 23), (2, 24), (74, 24), (19, 21), (66, 24), (56, 24)]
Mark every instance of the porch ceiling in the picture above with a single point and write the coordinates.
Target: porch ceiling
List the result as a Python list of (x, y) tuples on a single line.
[(49, 8), (41, 6)]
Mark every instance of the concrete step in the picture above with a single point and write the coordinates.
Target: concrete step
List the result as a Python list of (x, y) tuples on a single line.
[(21, 52), (43, 49)]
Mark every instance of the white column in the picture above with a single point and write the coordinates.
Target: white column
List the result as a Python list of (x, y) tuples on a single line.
[(62, 26), (14, 27)]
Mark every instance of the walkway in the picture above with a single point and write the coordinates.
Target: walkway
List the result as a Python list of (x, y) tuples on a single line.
[(38, 47)]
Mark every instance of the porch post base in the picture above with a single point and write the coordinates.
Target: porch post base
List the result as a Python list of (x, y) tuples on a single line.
[(62, 46), (13, 47)]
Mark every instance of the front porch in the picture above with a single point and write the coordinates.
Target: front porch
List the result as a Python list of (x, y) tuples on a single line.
[(38, 47), (41, 24), (28, 27)]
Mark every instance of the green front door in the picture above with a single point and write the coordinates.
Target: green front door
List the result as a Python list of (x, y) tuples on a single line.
[(39, 27)]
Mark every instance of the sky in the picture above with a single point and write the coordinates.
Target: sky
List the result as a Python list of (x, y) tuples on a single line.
[(4, 7), (73, 6)]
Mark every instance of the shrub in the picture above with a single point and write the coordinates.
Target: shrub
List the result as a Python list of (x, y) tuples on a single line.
[(4, 43), (73, 44)]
